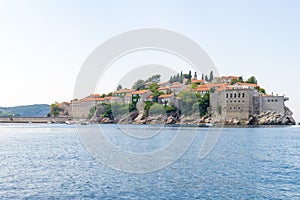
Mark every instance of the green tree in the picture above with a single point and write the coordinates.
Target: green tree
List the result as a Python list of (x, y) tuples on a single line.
[(109, 94), (157, 109), (119, 109), (262, 90), (131, 107), (119, 87), (252, 79), (240, 79), (108, 111), (170, 109), (139, 84), (194, 85), (54, 109), (92, 112), (211, 76), (187, 101), (190, 76), (155, 93), (204, 104), (155, 78), (181, 77), (233, 81), (206, 78)]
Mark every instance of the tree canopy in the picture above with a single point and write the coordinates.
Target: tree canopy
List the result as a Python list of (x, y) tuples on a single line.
[(155, 78), (252, 79)]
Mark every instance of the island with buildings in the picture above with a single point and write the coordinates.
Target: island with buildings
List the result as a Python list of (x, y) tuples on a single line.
[(183, 99)]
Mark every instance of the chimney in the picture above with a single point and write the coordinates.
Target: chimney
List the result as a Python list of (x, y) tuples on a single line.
[(195, 76)]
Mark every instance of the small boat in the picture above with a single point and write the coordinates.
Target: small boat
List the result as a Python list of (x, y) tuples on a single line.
[(205, 125), (84, 123), (70, 122)]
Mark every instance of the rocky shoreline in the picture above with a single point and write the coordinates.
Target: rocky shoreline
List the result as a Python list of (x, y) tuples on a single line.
[(266, 118)]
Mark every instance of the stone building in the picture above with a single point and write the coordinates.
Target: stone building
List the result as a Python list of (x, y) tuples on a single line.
[(65, 109), (81, 108), (240, 102), (122, 92), (167, 99)]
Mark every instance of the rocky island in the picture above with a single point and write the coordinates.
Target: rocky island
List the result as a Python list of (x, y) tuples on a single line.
[(184, 99)]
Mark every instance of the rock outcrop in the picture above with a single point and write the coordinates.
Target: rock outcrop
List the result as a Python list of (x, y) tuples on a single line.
[(139, 117), (274, 118)]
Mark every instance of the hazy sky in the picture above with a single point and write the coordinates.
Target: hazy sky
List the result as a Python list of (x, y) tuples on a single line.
[(43, 44)]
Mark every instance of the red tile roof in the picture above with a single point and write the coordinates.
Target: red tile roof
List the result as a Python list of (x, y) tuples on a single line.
[(162, 88), (165, 96), (140, 92), (125, 90), (224, 87), (197, 81), (248, 84), (232, 77)]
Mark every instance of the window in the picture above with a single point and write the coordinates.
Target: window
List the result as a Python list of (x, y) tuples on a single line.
[(234, 101), (230, 108), (234, 95), (268, 100), (230, 101), (239, 101), (227, 95), (256, 108), (239, 108), (243, 95), (239, 95), (272, 100), (230, 95), (275, 100)]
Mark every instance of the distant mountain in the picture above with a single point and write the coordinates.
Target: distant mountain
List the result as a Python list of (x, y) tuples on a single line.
[(36, 110)]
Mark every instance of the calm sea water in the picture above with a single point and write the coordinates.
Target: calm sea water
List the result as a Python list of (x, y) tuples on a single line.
[(50, 162)]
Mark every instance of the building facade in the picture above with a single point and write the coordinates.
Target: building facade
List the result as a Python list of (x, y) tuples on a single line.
[(240, 102)]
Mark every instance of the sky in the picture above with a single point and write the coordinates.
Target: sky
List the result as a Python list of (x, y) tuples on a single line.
[(43, 44)]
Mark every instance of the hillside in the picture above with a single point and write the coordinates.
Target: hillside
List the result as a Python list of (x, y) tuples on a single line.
[(36, 110)]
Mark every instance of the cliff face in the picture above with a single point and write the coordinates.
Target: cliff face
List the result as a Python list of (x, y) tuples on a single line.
[(266, 118)]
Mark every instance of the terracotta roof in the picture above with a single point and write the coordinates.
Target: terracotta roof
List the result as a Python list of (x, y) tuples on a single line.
[(162, 83), (162, 88), (176, 83), (90, 99), (95, 95), (111, 98), (224, 87), (140, 92), (232, 77), (176, 86), (211, 85), (201, 89), (165, 96), (248, 84), (151, 96), (197, 81)]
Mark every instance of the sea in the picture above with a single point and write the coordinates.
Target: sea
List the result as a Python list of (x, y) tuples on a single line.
[(58, 161)]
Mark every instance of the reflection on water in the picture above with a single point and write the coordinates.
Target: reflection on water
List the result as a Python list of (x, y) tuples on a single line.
[(48, 161)]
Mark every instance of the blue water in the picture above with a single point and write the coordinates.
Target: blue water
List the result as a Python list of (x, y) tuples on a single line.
[(50, 162)]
